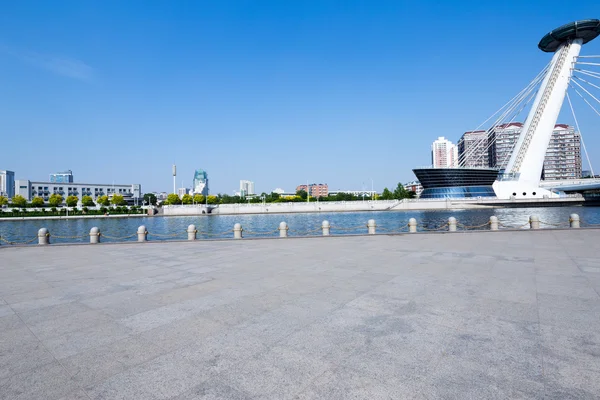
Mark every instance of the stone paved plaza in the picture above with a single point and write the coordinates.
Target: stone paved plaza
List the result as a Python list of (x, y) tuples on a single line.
[(489, 315)]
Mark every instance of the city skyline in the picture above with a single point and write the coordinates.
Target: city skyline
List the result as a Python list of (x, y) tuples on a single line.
[(318, 86)]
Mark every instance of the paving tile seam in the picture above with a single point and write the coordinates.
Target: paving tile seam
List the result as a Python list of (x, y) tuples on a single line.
[(66, 372)]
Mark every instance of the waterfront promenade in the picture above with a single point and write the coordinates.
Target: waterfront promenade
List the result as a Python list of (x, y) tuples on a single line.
[(473, 315)]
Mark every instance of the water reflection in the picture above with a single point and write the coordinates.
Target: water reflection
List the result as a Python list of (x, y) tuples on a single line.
[(219, 226)]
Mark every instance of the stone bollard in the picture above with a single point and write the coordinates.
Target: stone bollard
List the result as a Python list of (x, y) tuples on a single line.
[(191, 231), (534, 222), (94, 235), (574, 221), (142, 234), (412, 225), (452, 224), (283, 229), (237, 231), (43, 236), (325, 225), (371, 226), (493, 223)]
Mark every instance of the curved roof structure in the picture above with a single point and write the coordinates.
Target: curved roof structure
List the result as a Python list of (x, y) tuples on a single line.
[(586, 29)]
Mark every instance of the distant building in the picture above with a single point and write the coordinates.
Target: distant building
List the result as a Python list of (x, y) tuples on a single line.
[(182, 192), (473, 150), (246, 188), (62, 177), (200, 182), (7, 183), (315, 189), (444, 154), (278, 191), (30, 189), (563, 156), (414, 186)]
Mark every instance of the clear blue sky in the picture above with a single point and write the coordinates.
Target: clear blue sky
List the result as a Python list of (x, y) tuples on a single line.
[(278, 92)]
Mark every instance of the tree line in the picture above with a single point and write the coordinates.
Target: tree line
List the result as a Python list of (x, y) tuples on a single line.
[(55, 200)]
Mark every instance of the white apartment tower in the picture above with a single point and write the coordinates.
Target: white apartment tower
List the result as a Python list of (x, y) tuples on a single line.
[(246, 188), (444, 154)]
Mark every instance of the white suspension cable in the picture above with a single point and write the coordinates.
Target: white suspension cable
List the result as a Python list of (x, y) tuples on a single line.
[(585, 90), (587, 57), (586, 63), (516, 101), (589, 83), (584, 99), (589, 73), (580, 134)]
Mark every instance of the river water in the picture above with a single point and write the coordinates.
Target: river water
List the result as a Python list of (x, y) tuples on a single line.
[(265, 225)]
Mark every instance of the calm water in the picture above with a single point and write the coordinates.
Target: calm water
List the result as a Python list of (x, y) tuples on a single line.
[(220, 226)]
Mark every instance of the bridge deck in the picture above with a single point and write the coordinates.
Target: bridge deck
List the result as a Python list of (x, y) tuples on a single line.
[(425, 316)]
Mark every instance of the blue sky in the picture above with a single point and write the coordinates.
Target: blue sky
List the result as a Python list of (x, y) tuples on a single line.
[(278, 92)]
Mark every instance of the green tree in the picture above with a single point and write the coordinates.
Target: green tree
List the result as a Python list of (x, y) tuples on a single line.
[(173, 199), (87, 201), (19, 201), (103, 200), (387, 194), (55, 200), (150, 198), (187, 199), (400, 192), (37, 202), (3, 200), (212, 199), (199, 198), (118, 200), (302, 194), (72, 201)]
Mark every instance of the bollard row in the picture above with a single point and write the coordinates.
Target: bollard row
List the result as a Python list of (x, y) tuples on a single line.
[(43, 236)]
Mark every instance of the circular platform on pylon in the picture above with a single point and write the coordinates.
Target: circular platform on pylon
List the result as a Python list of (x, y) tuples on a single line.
[(586, 29)]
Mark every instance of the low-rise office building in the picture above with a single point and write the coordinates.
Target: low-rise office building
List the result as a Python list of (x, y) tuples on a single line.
[(30, 189)]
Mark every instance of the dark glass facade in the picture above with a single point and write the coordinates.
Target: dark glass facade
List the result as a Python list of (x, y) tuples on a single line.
[(442, 183)]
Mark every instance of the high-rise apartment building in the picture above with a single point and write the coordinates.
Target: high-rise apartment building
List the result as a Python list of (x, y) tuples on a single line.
[(62, 177), (473, 150), (315, 189), (444, 154), (200, 185), (563, 156), (246, 188), (7, 183)]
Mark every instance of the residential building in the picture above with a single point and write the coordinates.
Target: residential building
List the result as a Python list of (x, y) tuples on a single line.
[(7, 183), (30, 189), (200, 183), (246, 188), (62, 177), (182, 192), (473, 150), (414, 186), (503, 139), (563, 156), (315, 189), (444, 154)]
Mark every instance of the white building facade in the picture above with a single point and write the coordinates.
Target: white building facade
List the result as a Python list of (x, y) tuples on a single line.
[(7, 183), (444, 154), (31, 189), (246, 188)]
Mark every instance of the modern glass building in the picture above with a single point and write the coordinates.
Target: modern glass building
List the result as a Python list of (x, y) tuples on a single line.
[(200, 182), (442, 183), (7, 184), (62, 177)]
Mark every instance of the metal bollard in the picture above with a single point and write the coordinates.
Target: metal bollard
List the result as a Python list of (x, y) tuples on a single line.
[(191, 231), (493, 223), (412, 225), (452, 224), (283, 229), (325, 225), (534, 222), (142, 234), (371, 226), (237, 231), (94, 235), (574, 221), (43, 236)]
